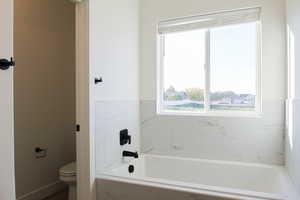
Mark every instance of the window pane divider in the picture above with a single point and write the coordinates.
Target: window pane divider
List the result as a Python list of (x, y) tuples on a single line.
[(258, 96), (207, 72), (160, 73)]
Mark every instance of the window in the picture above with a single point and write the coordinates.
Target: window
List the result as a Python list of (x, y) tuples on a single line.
[(210, 64)]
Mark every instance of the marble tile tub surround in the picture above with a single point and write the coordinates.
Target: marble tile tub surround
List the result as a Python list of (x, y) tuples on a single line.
[(111, 117), (258, 140)]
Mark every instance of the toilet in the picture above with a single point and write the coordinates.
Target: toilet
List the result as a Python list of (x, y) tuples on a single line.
[(67, 174)]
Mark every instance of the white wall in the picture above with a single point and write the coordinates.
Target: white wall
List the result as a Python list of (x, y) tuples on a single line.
[(239, 139), (293, 114), (114, 34), (44, 90)]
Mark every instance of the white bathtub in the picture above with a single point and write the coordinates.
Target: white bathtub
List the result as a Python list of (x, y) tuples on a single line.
[(205, 178)]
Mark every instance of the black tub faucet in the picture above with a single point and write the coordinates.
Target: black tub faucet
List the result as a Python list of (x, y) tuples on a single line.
[(130, 154)]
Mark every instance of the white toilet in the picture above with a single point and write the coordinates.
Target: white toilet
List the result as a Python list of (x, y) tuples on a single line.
[(67, 174)]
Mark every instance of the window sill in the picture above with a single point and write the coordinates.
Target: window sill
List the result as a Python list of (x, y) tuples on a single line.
[(223, 114)]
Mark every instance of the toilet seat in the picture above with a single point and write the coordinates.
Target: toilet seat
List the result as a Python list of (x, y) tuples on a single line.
[(68, 170)]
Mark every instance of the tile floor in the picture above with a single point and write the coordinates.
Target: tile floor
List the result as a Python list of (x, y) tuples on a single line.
[(59, 196)]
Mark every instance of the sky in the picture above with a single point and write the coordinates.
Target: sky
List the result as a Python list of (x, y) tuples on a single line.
[(233, 59)]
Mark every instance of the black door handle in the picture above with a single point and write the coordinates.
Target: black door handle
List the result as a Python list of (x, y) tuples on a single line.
[(6, 64)]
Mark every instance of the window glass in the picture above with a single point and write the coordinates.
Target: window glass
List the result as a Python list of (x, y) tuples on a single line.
[(233, 67), (184, 59)]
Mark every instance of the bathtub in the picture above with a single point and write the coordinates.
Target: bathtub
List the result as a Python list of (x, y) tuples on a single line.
[(163, 177)]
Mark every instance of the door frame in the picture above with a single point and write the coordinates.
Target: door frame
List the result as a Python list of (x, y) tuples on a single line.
[(86, 187), (86, 179), (7, 168), (86, 182)]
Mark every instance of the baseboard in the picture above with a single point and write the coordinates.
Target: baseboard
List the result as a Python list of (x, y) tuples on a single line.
[(44, 192)]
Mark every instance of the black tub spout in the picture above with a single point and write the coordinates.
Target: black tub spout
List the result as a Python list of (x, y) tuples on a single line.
[(130, 154)]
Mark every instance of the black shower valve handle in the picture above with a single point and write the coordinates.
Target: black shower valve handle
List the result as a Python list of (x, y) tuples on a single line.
[(125, 138)]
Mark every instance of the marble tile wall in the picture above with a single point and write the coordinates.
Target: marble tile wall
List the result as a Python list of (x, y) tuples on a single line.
[(258, 140), (111, 117)]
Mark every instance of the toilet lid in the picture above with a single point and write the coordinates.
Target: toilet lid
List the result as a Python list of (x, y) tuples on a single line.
[(68, 170)]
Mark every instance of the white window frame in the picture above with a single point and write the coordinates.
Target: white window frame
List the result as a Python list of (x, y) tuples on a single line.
[(207, 111)]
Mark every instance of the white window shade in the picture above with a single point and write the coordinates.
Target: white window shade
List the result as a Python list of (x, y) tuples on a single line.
[(210, 20)]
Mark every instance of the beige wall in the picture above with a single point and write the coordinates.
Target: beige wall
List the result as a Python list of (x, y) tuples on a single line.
[(44, 48)]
